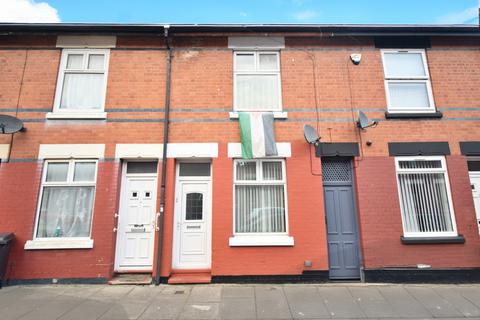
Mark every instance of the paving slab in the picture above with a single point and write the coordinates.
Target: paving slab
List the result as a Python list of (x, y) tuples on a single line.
[(239, 291), (472, 293), (164, 307), (340, 303), (123, 310), (305, 302), (238, 308), (271, 303), (403, 304), (143, 293), (452, 294), (372, 303), (87, 310), (53, 309), (203, 293), (176, 289), (201, 311), (434, 303), (112, 292)]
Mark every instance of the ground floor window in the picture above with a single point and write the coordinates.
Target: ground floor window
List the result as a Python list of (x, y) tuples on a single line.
[(425, 198), (260, 196), (66, 199)]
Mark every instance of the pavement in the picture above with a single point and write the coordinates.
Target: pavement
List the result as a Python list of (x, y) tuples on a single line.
[(225, 301)]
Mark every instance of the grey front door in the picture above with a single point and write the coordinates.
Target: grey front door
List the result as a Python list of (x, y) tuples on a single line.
[(341, 220)]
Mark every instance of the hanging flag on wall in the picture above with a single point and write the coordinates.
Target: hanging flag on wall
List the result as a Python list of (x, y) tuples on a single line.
[(257, 135)]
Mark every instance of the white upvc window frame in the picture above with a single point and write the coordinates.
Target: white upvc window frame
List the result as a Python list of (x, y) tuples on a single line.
[(261, 238), (411, 79), (257, 71), (443, 170), (63, 242), (80, 113)]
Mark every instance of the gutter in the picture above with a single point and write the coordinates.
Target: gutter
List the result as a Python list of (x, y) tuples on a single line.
[(164, 156), (155, 29)]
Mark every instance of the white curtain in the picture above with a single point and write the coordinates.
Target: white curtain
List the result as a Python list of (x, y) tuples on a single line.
[(404, 65), (82, 91), (425, 202), (408, 94), (65, 212), (259, 208), (257, 92)]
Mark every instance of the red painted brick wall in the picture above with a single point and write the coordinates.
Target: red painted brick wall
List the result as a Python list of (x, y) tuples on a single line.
[(381, 224), (202, 89), (18, 205)]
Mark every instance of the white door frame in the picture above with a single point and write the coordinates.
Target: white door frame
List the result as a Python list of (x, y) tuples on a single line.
[(179, 181), (122, 204), (472, 175)]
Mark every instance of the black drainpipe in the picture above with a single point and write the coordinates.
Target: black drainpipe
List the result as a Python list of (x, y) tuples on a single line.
[(164, 157)]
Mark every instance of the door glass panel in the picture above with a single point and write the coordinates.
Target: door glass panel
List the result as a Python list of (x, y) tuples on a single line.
[(194, 170), (194, 206), (142, 167)]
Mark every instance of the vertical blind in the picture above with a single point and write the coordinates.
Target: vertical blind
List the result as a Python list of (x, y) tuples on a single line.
[(424, 198), (259, 197)]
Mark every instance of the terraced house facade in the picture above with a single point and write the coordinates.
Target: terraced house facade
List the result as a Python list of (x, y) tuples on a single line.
[(132, 159)]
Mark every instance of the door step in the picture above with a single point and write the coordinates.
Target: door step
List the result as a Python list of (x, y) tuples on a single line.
[(131, 278), (190, 276)]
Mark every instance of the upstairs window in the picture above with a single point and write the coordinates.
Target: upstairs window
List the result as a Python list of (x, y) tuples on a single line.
[(407, 81), (82, 81), (425, 198), (257, 81)]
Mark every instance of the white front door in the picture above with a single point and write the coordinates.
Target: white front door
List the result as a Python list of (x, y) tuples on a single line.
[(475, 183), (136, 223), (192, 225)]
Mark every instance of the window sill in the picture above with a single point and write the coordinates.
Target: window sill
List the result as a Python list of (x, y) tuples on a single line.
[(433, 240), (276, 115), (413, 115), (261, 241), (45, 244), (77, 116)]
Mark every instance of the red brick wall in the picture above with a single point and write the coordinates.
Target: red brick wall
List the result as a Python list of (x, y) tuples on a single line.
[(202, 89), (381, 224), (18, 205)]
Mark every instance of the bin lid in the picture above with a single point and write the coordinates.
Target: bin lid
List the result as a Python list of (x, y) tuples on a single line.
[(6, 237)]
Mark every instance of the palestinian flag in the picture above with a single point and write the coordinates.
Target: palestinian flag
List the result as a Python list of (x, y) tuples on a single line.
[(257, 135)]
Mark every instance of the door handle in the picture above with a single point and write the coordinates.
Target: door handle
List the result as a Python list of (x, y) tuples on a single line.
[(157, 221)]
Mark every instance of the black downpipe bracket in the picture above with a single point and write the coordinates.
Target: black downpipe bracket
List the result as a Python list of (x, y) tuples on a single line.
[(164, 157)]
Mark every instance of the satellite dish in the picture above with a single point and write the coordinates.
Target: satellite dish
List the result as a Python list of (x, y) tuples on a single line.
[(363, 122), (9, 124), (310, 134)]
